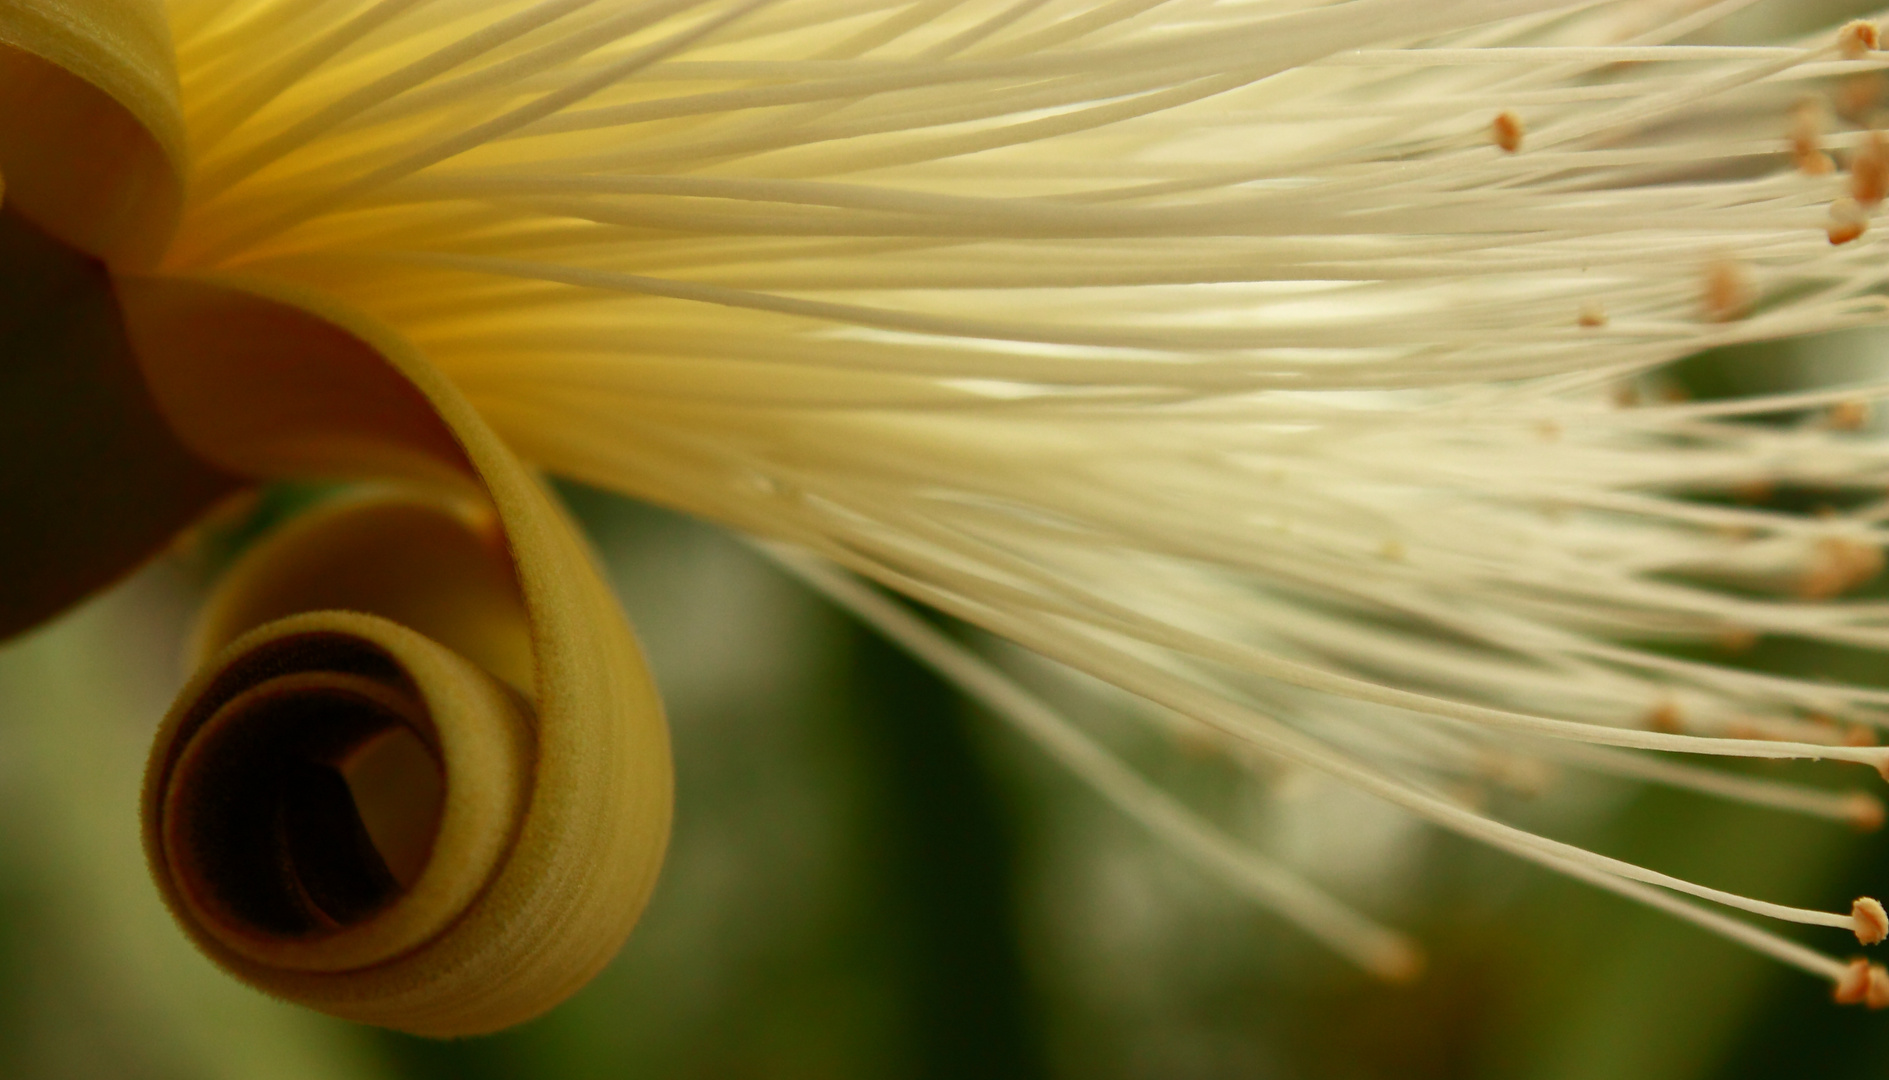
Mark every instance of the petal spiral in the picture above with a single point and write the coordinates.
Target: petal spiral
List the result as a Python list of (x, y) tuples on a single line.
[(509, 665)]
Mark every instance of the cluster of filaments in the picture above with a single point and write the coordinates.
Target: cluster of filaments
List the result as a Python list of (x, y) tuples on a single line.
[(1288, 364)]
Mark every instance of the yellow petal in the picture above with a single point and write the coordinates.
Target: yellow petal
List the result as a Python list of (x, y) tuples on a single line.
[(91, 135), (517, 907)]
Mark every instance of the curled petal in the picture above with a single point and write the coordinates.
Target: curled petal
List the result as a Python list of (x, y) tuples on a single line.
[(456, 641)]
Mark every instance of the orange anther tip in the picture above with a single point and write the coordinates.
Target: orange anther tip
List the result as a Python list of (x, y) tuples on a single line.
[(1876, 996), (1853, 986), (1869, 170), (1665, 717), (1857, 39), (1849, 415), (1728, 291), (1872, 923), (1865, 811), (1507, 131)]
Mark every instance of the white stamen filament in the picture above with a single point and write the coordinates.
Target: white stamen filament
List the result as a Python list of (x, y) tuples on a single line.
[(1384, 952)]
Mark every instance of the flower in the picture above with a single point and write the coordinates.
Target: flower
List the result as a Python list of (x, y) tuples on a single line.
[(1293, 367)]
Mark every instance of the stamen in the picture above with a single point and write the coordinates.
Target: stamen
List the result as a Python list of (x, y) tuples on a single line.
[(1857, 39), (1847, 221), (1849, 415), (1853, 985), (1807, 123), (1382, 951), (1859, 809), (1729, 292), (1666, 717), (949, 261), (1092, 653), (1869, 170), (1507, 131), (1877, 996), (1838, 564), (1865, 811), (1872, 923), (1857, 98)]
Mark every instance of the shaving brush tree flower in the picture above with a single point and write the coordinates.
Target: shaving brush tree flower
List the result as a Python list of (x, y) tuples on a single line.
[(1289, 365)]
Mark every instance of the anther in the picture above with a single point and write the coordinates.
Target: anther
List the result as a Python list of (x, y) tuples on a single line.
[(1872, 923), (1849, 415), (1857, 98), (1402, 966), (1865, 811), (1847, 221), (1869, 170), (1853, 985), (1857, 39), (1876, 996), (1838, 564), (1592, 315), (1665, 717), (1507, 131), (1807, 123), (1728, 290)]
